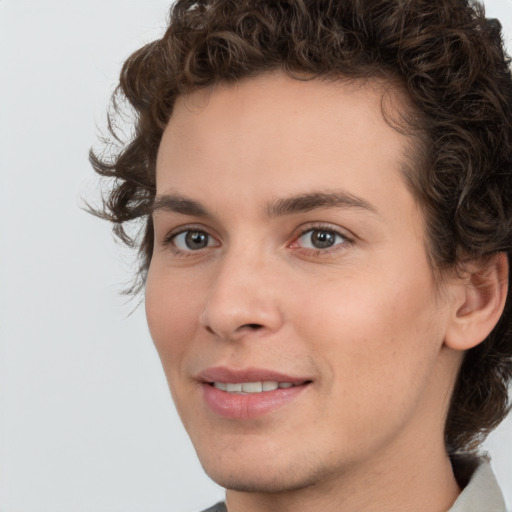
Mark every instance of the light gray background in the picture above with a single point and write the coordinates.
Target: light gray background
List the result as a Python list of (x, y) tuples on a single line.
[(86, 421)]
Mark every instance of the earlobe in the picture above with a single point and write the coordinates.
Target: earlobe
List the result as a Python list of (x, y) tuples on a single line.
[(483, 300)]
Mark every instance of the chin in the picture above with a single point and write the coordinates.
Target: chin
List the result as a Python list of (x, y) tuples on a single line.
[(267, 477)]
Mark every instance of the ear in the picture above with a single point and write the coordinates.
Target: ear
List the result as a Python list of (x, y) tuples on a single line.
[(480, 304)]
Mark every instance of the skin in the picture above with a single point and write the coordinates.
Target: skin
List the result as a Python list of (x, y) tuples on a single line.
[(364, 319)]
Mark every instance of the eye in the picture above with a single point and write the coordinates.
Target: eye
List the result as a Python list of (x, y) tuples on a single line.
[(320, 239), (193, 240)]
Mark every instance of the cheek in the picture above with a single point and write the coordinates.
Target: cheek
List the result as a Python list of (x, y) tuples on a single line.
[(376, 337), (172, 311), (378, 350)]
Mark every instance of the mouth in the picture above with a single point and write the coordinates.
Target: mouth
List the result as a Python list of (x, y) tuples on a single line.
[(249, 393), (244, 388)]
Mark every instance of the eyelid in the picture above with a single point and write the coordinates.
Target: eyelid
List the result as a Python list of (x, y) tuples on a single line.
[(348, 237), (167, 241)]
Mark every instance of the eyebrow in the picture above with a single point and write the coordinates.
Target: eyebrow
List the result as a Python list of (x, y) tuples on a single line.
[(315, 200), (300, 203), (178, 204)]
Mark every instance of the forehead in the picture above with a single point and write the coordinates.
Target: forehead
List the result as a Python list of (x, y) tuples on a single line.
[(276, 120), (286, 98), (234, 146)]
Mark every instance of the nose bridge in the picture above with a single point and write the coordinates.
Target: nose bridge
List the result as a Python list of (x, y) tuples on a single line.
[(241, 294)]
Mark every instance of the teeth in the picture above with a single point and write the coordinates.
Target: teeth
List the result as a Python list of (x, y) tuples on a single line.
[(251, 387), (234, 388), (269, 385)]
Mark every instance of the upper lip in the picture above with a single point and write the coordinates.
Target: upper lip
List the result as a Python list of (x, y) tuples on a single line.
[(232, 375)]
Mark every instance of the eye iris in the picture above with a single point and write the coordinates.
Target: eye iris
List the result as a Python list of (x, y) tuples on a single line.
[(196, 240), (323, 239)]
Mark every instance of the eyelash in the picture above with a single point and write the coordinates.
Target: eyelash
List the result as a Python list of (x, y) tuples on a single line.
[(168, 241), (346, 241)]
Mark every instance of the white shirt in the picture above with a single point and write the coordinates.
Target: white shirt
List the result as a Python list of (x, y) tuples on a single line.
[(482, 493)]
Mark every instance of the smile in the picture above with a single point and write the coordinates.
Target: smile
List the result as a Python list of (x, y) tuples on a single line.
[(242, 394), (252, 387)]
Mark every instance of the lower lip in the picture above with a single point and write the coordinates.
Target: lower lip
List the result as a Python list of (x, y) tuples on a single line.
[(250, 405)]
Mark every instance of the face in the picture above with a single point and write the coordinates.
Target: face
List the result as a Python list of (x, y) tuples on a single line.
[(289, 296)]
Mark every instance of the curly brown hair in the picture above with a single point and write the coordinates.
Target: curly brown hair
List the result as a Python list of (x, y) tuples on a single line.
[(448, 58)]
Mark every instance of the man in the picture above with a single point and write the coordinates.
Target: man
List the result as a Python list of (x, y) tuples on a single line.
[(326, 195)]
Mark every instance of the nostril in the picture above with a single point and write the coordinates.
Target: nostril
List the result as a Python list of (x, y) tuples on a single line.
[(253, 326)]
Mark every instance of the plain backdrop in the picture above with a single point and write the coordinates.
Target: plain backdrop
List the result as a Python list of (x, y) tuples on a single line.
[(86, 420)]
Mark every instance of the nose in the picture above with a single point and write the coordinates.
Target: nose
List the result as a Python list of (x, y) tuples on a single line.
[(242, 298)]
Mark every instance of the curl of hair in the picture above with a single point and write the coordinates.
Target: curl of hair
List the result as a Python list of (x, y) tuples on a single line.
[(448, 58)]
